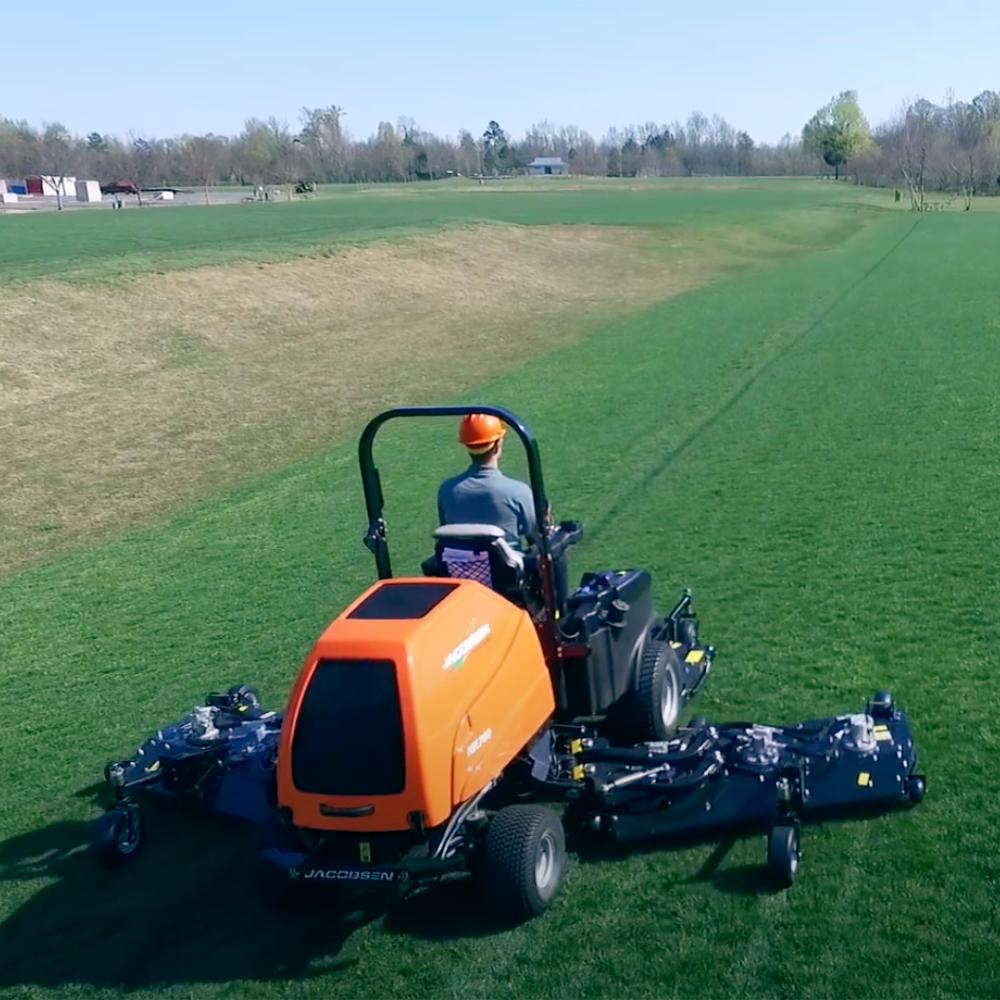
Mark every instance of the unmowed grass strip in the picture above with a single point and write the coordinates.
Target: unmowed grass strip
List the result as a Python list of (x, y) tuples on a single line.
[(123, 403), (810, 447), (115, 411)]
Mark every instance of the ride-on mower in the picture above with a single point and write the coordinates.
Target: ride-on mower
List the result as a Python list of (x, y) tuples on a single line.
[(437, 713)]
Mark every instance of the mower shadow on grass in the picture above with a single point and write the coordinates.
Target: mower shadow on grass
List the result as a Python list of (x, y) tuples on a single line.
[(742, 880), (187, 911), (444, 911)]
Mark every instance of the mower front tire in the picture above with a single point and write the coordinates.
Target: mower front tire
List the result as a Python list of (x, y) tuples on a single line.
[(657, 704), (521, 862), (117, 836)]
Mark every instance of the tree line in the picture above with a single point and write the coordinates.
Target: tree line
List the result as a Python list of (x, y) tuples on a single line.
[(953, 147)]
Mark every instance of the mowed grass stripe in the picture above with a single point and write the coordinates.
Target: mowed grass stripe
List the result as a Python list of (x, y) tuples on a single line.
[(867, 471), (835, 523)]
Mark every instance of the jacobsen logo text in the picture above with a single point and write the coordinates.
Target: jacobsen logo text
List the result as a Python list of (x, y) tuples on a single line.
[(352, 875), (457, 656)]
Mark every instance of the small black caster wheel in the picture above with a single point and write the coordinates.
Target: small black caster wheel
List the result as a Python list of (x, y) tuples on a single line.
[(117, 835), (687, 631), (243, 698), (783, 853), (916, 787), (881, 705)]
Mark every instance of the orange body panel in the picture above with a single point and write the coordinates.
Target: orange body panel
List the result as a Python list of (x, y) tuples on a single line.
[(473, 689)]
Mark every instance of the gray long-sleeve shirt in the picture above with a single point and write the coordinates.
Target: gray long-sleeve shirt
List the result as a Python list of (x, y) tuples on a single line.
[(487, 496)]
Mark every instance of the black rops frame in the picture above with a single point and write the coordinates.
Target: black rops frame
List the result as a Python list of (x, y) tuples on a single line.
[(376, 539)]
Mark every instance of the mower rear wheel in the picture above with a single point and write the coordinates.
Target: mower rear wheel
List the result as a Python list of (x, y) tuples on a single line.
[(521, 862), (117, 835), (657, 706), (783, 853)]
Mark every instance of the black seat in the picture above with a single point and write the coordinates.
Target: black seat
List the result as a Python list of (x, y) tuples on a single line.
[(478, 552)]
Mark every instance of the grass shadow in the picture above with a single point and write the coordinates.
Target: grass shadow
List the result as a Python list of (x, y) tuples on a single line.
[(444, 911), (744, 880), (186, 911)]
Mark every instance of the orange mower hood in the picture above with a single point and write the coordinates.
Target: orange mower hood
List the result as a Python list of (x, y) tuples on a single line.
[(413, 700)]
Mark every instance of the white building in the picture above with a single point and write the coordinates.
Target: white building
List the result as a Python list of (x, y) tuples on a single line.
[(548, 165), (88, 191)]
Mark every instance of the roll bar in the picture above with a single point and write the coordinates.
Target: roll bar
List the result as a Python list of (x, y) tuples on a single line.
[(375, 537)]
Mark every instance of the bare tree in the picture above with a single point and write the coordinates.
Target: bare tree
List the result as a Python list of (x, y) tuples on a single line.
[(57, 156), (325, 142), (468, 153), (19, 147), (204, 157), (916, 129), (141, 163)]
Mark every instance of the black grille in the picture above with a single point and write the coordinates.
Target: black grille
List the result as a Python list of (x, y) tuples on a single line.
[(349, 733)]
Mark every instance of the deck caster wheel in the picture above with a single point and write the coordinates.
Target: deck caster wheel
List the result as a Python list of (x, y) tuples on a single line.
[(881, 705), (243, 698), (783, 853), (916, 787), (687, 631), (117, 836), (522, 862)]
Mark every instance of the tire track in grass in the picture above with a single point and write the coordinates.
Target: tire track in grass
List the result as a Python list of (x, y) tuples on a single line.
[(657, 469)]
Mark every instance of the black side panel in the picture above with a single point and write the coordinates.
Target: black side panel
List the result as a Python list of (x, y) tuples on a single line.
[(395, 601), (610, 613), (349, 733)]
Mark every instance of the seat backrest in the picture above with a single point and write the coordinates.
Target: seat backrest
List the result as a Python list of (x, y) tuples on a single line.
[(465, 565), (480, 552)]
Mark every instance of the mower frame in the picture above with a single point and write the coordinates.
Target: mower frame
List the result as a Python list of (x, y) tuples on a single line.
[(376, 537), (701, 779)]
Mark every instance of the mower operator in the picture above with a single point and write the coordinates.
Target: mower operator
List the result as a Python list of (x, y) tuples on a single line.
[(483, 494)]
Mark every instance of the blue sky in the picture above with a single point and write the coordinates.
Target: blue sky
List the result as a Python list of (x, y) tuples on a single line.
[(765, 66)]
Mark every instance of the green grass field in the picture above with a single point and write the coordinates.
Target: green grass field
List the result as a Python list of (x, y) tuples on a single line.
[(86, 245), (807, 439)]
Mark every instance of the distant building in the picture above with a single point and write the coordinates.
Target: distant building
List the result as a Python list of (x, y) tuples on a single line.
[(46, 185), (548, 165), (88, 191)]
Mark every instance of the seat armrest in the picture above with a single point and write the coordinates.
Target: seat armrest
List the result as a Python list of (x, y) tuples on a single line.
[(561, 537), (509, 554)]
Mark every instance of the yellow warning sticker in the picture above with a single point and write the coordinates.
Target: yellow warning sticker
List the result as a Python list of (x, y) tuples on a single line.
[(578, 772), (865, 779), (675, 645), (882, 733), (695, 656)]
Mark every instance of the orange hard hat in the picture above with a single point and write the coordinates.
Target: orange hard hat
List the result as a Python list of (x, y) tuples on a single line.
[(480, 431)]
